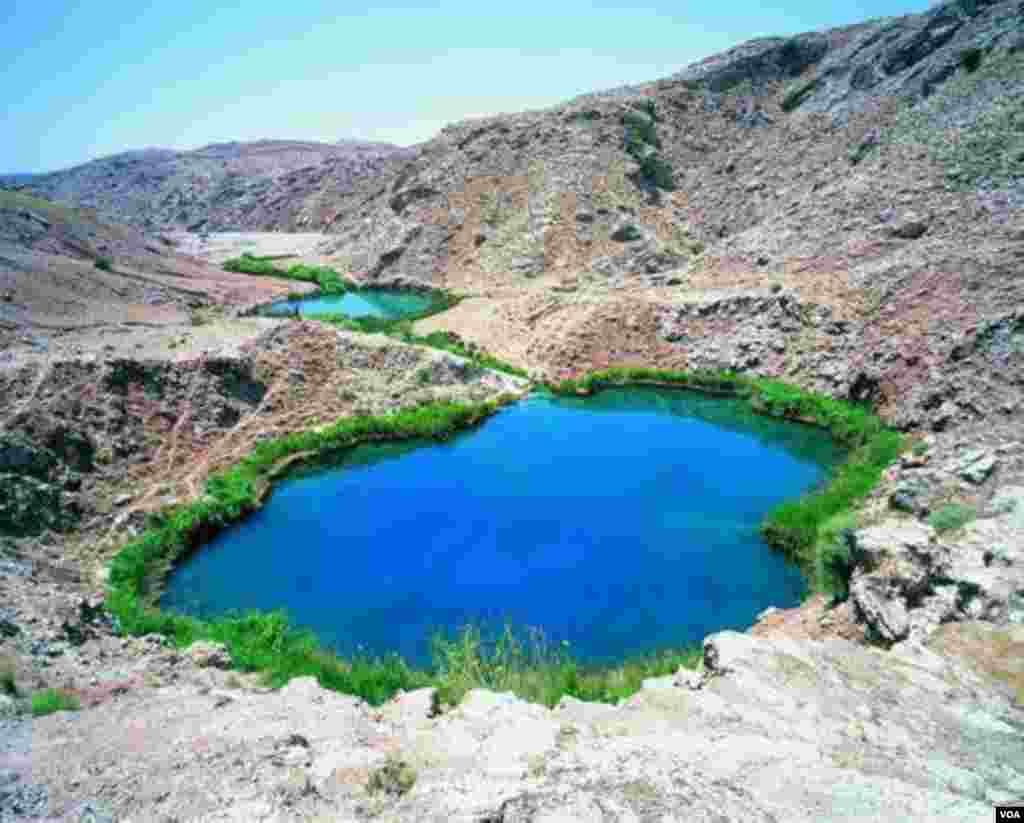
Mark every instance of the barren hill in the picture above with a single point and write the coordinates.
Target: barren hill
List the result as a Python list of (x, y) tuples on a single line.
[(226, 186), (868, 180)]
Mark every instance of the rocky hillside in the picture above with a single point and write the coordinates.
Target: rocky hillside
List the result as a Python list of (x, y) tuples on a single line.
[(65, 272), (269, 184), (844, 208)]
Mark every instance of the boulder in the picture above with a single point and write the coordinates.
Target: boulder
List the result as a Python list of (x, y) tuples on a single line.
[(975, 465), (880, 605), (908, 227)]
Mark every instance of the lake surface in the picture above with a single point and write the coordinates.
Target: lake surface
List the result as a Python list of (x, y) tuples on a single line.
[(388, 304), (622, 523)]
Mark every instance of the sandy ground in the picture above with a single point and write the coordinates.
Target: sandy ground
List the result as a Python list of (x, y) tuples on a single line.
[(220, 246)]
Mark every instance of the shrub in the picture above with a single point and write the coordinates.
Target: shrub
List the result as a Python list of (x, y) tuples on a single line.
[(8, 685), (641, 143), (49, 701), (326, 279), (395, 777), (834, 556), (104, 264), (970, 58), (951, 516)]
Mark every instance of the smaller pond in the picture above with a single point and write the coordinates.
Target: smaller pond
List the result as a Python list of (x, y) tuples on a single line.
[(621, 523), (387, 304)]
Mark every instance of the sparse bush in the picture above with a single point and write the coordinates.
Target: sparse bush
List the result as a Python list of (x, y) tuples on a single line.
[(49, 701), (951, 516), (104, 264), (835, 556), (395, 777), (971, 58), (642, 143), (8, 685)]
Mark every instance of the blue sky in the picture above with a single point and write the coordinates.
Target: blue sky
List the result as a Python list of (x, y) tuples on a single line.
[(85, 79)]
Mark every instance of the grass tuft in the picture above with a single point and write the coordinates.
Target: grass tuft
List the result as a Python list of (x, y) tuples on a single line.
[(951, 516), (49, 701)]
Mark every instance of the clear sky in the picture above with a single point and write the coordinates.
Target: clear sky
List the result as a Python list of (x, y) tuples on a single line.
[(85, 79)]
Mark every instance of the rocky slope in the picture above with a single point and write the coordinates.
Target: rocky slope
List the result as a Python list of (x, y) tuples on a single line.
[(847, 212), (269, 184), (768, 730)]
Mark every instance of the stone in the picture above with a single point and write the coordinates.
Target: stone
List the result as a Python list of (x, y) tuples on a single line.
[(908, 227), (627, 233), (209, 655), (975, 465), (1015, 607), (910, 496), (881, 607)]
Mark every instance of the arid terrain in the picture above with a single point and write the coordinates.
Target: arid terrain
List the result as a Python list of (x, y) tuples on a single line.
[(841, 210)]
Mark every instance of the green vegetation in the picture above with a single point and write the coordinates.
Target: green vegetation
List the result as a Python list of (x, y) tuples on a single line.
[(642, 144), (451, 342), (104, 264), (8, 685), (834, 555), (49, 701), (539, 671), (797, 93), (951, 516), (395, 777), (799, 528), (326, 279), (971, 58), (401, 329)]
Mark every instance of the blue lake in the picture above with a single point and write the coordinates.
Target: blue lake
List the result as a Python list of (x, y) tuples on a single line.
[(622, 523), (388, 304)]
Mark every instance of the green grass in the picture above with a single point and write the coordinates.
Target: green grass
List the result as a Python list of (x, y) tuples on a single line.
[(528, 665), (794, 527), (326, 279), (951, 516), (401, 329), (49, 701), (834, 556), (268, 643), (103, 264)]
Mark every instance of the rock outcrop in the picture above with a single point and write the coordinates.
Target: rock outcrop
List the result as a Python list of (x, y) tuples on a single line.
[(768, 730)]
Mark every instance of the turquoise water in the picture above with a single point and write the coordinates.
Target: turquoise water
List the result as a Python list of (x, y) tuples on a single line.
[(388, 304), (622, 523)]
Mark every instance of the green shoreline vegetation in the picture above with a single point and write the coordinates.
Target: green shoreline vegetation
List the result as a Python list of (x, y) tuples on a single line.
[(330, 282), (808, 530)]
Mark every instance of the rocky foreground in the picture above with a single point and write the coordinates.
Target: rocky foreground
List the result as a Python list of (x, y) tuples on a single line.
[(770, 729)]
